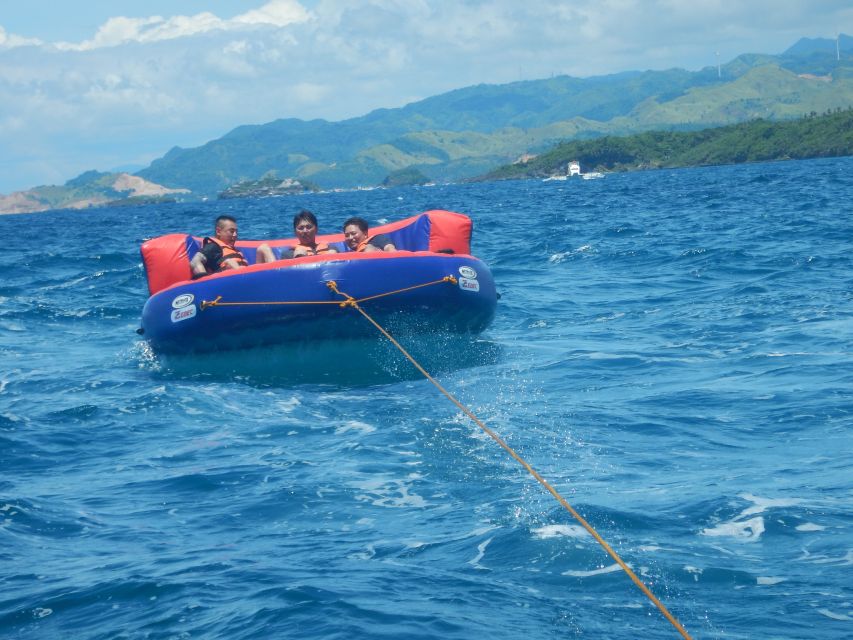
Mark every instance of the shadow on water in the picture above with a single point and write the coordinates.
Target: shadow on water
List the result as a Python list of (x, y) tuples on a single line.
[(341, 363)]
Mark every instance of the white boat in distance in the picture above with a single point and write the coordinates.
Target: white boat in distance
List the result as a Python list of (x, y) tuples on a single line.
[(574, 169)]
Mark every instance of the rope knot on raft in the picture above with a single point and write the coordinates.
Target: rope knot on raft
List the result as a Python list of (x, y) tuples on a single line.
[(210, 303), (349, 302)]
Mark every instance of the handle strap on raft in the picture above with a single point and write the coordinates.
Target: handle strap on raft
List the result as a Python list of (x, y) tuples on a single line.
[(352, 302)]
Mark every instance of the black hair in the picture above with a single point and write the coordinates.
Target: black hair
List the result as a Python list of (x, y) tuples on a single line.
[(303, 216), (225, 218), (361, 223)]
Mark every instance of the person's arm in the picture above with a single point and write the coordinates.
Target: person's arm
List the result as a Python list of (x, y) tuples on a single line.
[(383, 243), (198, 265), (207, 256)]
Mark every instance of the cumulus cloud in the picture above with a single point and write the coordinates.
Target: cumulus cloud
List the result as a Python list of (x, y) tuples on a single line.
[(277, 13), (10, 40), (121, 30)]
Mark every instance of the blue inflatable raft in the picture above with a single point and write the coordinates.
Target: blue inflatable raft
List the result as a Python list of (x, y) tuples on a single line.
[(431, 284)]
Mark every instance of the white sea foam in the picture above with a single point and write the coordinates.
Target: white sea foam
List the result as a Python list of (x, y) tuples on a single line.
[(834, 616), (747, 530), (287, 406), (694, 571), (612, 316), (368, 553), (760, 505), (808, 526), (768, 581), (481, 552), (558, 530), (355, 425), (12, 326), (843, 561), (389, 493), (594, 572), (601, 355)]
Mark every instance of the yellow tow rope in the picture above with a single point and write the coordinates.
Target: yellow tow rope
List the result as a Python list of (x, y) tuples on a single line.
[(349, 301)]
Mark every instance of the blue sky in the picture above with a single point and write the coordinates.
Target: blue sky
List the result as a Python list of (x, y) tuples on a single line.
[(100, 85)]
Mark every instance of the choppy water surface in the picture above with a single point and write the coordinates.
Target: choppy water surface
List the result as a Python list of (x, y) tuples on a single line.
[(672, 351)]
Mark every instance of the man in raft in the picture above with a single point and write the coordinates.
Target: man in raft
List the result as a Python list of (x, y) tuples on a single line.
[(356, 238), (305, 228), (219, 254)]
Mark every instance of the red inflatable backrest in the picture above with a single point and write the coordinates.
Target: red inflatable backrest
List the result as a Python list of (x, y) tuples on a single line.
[(449, 230), (166, 261)]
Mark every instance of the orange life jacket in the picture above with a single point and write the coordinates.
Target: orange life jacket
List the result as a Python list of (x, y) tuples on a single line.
[(363, 244), (228, 253), (318, 248)]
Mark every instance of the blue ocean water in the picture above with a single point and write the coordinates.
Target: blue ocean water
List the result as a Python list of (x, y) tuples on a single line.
[(672, 351)]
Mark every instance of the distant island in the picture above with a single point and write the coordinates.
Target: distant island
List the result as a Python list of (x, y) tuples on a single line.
[(269, 185), (90, 189), (813, 136)]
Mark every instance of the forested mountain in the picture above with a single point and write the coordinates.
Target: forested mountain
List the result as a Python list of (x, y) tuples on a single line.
[(469, 131), (812, 136)]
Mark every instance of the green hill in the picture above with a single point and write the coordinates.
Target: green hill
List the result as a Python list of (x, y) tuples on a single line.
[(466, 132), (759, 140)]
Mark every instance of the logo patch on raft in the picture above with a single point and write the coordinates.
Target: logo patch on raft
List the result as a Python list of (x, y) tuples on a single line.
[(183, 300), (468, 285), (467, 272), (184, 313)]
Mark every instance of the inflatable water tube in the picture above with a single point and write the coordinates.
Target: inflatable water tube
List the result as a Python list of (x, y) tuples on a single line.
[(430, 284)]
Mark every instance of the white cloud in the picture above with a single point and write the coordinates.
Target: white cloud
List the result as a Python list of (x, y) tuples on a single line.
[(277, 13), (122, 30), (10, 40), (312, 94)]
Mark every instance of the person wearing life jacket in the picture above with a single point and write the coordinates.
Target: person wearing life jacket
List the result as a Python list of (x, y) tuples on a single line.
[(356, 238), (219, 254), (305, 227)]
